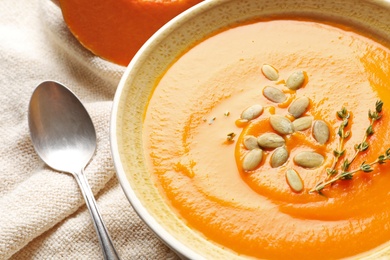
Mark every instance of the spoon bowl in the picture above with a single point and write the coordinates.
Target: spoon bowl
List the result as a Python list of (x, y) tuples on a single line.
[(63, 135), (61, 129)]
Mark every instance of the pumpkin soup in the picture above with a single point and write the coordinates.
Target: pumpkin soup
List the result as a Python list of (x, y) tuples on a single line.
[(265, 138)]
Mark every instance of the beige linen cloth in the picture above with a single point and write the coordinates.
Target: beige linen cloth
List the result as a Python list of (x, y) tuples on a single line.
[(42, 212)]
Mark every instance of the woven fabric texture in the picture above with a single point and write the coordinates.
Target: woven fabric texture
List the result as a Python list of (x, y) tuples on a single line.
[(42, 212)]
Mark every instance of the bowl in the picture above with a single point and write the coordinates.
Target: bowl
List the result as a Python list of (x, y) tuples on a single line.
[(159, 53)]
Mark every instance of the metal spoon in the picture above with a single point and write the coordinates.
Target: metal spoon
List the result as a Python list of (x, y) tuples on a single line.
[(64, 137)]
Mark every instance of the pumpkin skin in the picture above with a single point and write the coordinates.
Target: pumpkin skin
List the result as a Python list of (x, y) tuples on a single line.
[(115, 29)]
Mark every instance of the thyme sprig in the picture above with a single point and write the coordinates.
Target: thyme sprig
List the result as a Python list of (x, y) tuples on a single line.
[(363, 145), (333, 175), (343, 114), (347, 175)]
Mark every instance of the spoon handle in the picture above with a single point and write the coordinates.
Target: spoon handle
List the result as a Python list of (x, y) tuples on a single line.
[(109, 252)]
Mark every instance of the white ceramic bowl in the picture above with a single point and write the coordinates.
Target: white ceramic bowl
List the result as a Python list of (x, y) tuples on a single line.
[(151, 62)]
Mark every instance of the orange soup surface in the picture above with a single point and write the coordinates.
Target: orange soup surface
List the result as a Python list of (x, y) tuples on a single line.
[(198, 102)]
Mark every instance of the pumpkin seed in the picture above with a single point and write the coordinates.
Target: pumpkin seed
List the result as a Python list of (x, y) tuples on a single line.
[(279, 157), (270, 72), (270, 140), (274, 94), (320, 131), (294, 180), (308, 159), (252, 159), (250, 142), (299, 106), (252, 112), (281, 124), (302, 123), (295, 81)]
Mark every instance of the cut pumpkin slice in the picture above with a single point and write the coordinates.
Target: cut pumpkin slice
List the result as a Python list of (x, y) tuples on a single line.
[(115, 29)]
